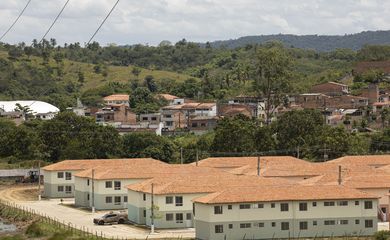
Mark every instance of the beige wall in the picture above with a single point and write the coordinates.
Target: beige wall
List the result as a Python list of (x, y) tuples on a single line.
[(51, 177)]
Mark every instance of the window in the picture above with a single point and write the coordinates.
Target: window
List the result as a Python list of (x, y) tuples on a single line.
[(88, 196), (245, 206), (125, 199), (144, 197), (230, 226), (108, 199), (188, 216), (314, 223), (60, 188), (87, 182), (144, 213), (144, 118), (218, 210), (284, 207), (230, 207), (169, 217), (356, 203), (117, 185), (343, 222), (260, 224), (154, 118), (367, 204), (330, 222), (368, 224), (245, 225), (179, 200), (117, 200), (218, 228), (179, 217), (302, 206), (68, 176), (303, 225), (357, 221), (260, 205), (314, 204), (108, 184), (285, 226), (272, 205), (68, 189), (168, 200), (328, 204), (342, 203), (273, 224), (60, 175)]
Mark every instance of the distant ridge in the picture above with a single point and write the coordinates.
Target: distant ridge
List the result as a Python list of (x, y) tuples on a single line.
[(322, 43)]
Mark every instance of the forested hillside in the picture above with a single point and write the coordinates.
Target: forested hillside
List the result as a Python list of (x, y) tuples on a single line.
[(316, 42)]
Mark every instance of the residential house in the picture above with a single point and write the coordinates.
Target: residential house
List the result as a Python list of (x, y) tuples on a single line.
[(256, 104), (330, 89), (35, 109), (285, 212), (202, 124), (171, 99), (231, 110), (322, 101), (117, 99), (372, 93), (114, 114)]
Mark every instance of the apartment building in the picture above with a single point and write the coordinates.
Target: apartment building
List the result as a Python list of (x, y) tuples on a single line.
[(285, 212), (59, 179)]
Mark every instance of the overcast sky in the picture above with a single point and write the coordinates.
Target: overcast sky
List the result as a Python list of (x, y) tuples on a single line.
[(151, 21)]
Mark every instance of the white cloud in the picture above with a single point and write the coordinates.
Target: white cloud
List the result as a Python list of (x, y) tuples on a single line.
[(150, 21)]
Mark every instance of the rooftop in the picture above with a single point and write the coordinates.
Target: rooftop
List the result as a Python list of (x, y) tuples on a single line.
[(117, 97), (37, 107)]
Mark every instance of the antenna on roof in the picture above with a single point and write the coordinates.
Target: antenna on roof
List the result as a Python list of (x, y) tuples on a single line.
[(258, 166)]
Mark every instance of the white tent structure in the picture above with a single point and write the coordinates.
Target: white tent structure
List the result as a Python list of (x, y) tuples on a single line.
[(39, 109)]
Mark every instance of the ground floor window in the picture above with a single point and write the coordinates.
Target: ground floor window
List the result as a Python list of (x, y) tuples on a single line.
[(188, 216), (303, 225), (169, 217), (343, 222), (60, 188), (369, 223), (245, 225), (125, 199), (108, 199), (285, 226), (117, 200), (68, 189), (179, 217), (329, 222), (218, 228)]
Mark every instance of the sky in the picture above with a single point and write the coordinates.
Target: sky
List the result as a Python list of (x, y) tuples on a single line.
[(151, 21)]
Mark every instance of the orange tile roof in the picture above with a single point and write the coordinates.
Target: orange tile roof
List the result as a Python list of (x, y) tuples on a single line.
[(290, 193), (372, 160), (167, 97), (117, 97), (72, 165)]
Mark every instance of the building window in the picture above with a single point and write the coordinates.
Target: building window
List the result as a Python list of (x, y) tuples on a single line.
[(367, 204), (144, 118), (60, 188), (303, 206), (60, 175), (230, 207), (330, 222), (125, 199), (88, 196), (108, 199), (68, 189), (179, 201), (368, 223), (144, 197), (260, 224), (357, 221), (108, 184), (117, 185), (87, 182), (314, 204), (168, 200), (169, 217), (303, 225), (245, 225), (328, 204), (218, 228), (272, 205), (145, 213), (68, 176), (154, 118), (245, 206), (343, 222), (342, 203), (117, 200), (230, 226), (314, 223), (218, 210), (179, 217), (273, 224), (260, 205), (285, 226), (188, 216), (284, 207), (356, 203)]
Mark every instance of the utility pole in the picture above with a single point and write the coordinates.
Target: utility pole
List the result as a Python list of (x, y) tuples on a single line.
[(258, 166), (39, 180), (298, 151), (181, 155), (152, 210), (93, 190), (197, 157)]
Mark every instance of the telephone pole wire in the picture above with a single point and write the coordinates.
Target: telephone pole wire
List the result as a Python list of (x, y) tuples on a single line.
[(16, 20)]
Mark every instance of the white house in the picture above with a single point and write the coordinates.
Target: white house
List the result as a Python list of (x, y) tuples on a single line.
[(38, 109)]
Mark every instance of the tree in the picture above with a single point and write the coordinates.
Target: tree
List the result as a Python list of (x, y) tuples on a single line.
[(272, 69), (150, 83), (136, 71)]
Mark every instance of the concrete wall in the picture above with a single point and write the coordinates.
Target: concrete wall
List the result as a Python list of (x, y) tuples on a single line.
[(272, 218)]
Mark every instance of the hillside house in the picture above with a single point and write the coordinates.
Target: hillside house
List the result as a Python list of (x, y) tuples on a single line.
[(171, 99), (117, 99), (37, 109), (330, 89)]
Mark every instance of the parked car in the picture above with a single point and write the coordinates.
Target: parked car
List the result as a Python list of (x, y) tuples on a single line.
[(111, 217)]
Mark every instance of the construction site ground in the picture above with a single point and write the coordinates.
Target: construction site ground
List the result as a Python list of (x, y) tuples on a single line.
[(27, 196)]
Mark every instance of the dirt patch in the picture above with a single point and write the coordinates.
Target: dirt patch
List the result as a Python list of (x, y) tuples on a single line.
[(15, 193)]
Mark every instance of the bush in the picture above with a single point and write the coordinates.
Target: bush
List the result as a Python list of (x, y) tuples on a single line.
[(382, 235), (35, 230)]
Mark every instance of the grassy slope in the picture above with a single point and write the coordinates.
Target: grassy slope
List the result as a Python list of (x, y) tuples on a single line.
[(115, 73)]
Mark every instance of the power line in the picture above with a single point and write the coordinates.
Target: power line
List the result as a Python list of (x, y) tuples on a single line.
[(55, 20), (16, 20), (97, 30)]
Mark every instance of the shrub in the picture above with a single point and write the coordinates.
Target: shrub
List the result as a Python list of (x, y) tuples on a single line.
[(382, 235)]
